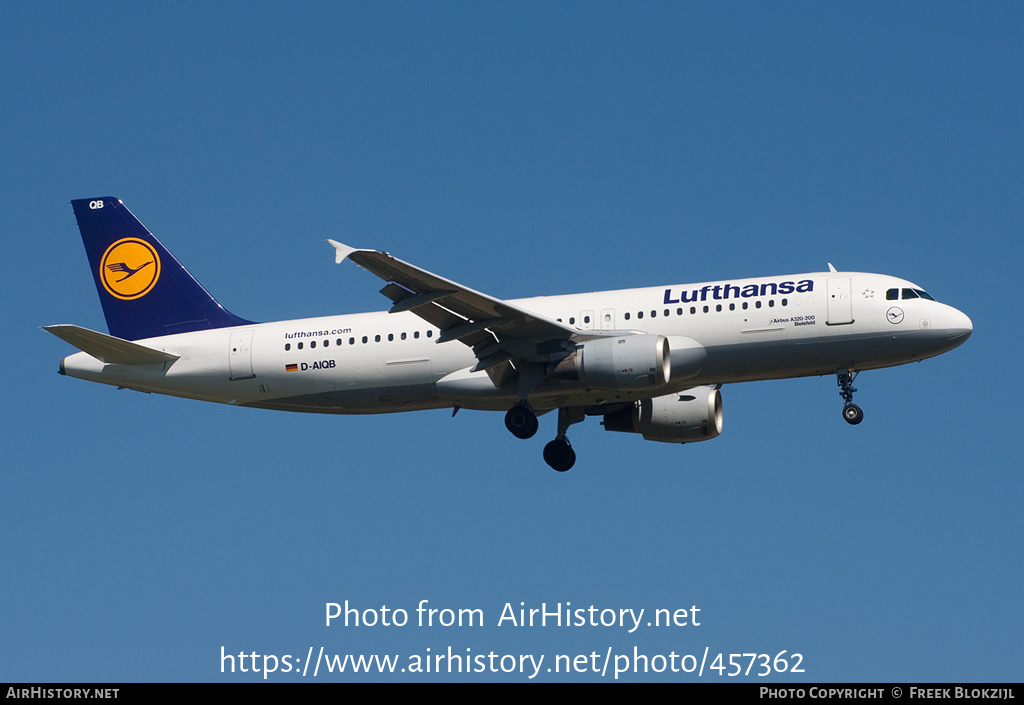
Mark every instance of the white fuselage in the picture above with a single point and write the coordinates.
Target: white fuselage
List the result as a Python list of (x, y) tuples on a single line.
[(365, 363)]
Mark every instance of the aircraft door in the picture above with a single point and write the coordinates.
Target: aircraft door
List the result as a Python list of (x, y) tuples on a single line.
[(840, 303), (240, 355)]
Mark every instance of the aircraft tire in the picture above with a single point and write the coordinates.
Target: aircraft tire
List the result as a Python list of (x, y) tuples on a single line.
[(559, 455), (853, 414), (521, 421)]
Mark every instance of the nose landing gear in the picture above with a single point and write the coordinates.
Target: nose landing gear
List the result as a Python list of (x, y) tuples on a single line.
[(851, 412)]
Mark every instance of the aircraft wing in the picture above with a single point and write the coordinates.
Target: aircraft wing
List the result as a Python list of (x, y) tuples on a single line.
[(496, 330)]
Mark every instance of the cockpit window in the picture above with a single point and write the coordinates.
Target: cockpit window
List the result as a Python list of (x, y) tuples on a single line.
[(908, 294), (892, 295)]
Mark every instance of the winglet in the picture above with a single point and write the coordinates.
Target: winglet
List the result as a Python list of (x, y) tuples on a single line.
[(341, 251), (831, 268)]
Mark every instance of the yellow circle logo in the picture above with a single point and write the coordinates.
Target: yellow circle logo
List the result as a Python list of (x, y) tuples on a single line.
[(129, 268)]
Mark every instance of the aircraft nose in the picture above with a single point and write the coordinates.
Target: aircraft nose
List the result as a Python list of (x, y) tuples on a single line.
[(958, 326)]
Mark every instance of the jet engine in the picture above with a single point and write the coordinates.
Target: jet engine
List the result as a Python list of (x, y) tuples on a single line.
[(630, 362), (684, 417)]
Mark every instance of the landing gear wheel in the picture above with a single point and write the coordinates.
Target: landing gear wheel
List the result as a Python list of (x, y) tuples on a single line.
[(853, 414), (559, 454), (521, 421)]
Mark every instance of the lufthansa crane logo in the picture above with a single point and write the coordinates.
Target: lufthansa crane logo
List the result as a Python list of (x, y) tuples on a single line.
[(129, 268)]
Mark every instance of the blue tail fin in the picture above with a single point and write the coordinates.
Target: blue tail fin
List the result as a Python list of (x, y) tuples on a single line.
[(145, 292)]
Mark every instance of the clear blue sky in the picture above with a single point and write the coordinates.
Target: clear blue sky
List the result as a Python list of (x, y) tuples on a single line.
[(521, 149)]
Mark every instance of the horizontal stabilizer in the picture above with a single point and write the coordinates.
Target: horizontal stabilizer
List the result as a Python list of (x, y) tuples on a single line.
[(107, 348)]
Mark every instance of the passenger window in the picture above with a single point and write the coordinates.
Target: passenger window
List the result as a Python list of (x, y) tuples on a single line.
[(299, 346), (287, 347), (626, 316), (312, 344)]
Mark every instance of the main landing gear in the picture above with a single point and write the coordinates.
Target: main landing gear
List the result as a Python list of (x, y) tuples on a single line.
[(851, 412), (522, 422), (559, 454)]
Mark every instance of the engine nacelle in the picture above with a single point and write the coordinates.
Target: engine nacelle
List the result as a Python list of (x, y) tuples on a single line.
[(684, 417), (631, 362), (687, 357)]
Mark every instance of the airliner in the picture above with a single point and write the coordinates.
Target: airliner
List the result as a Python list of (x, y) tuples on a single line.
[(650, 361)]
